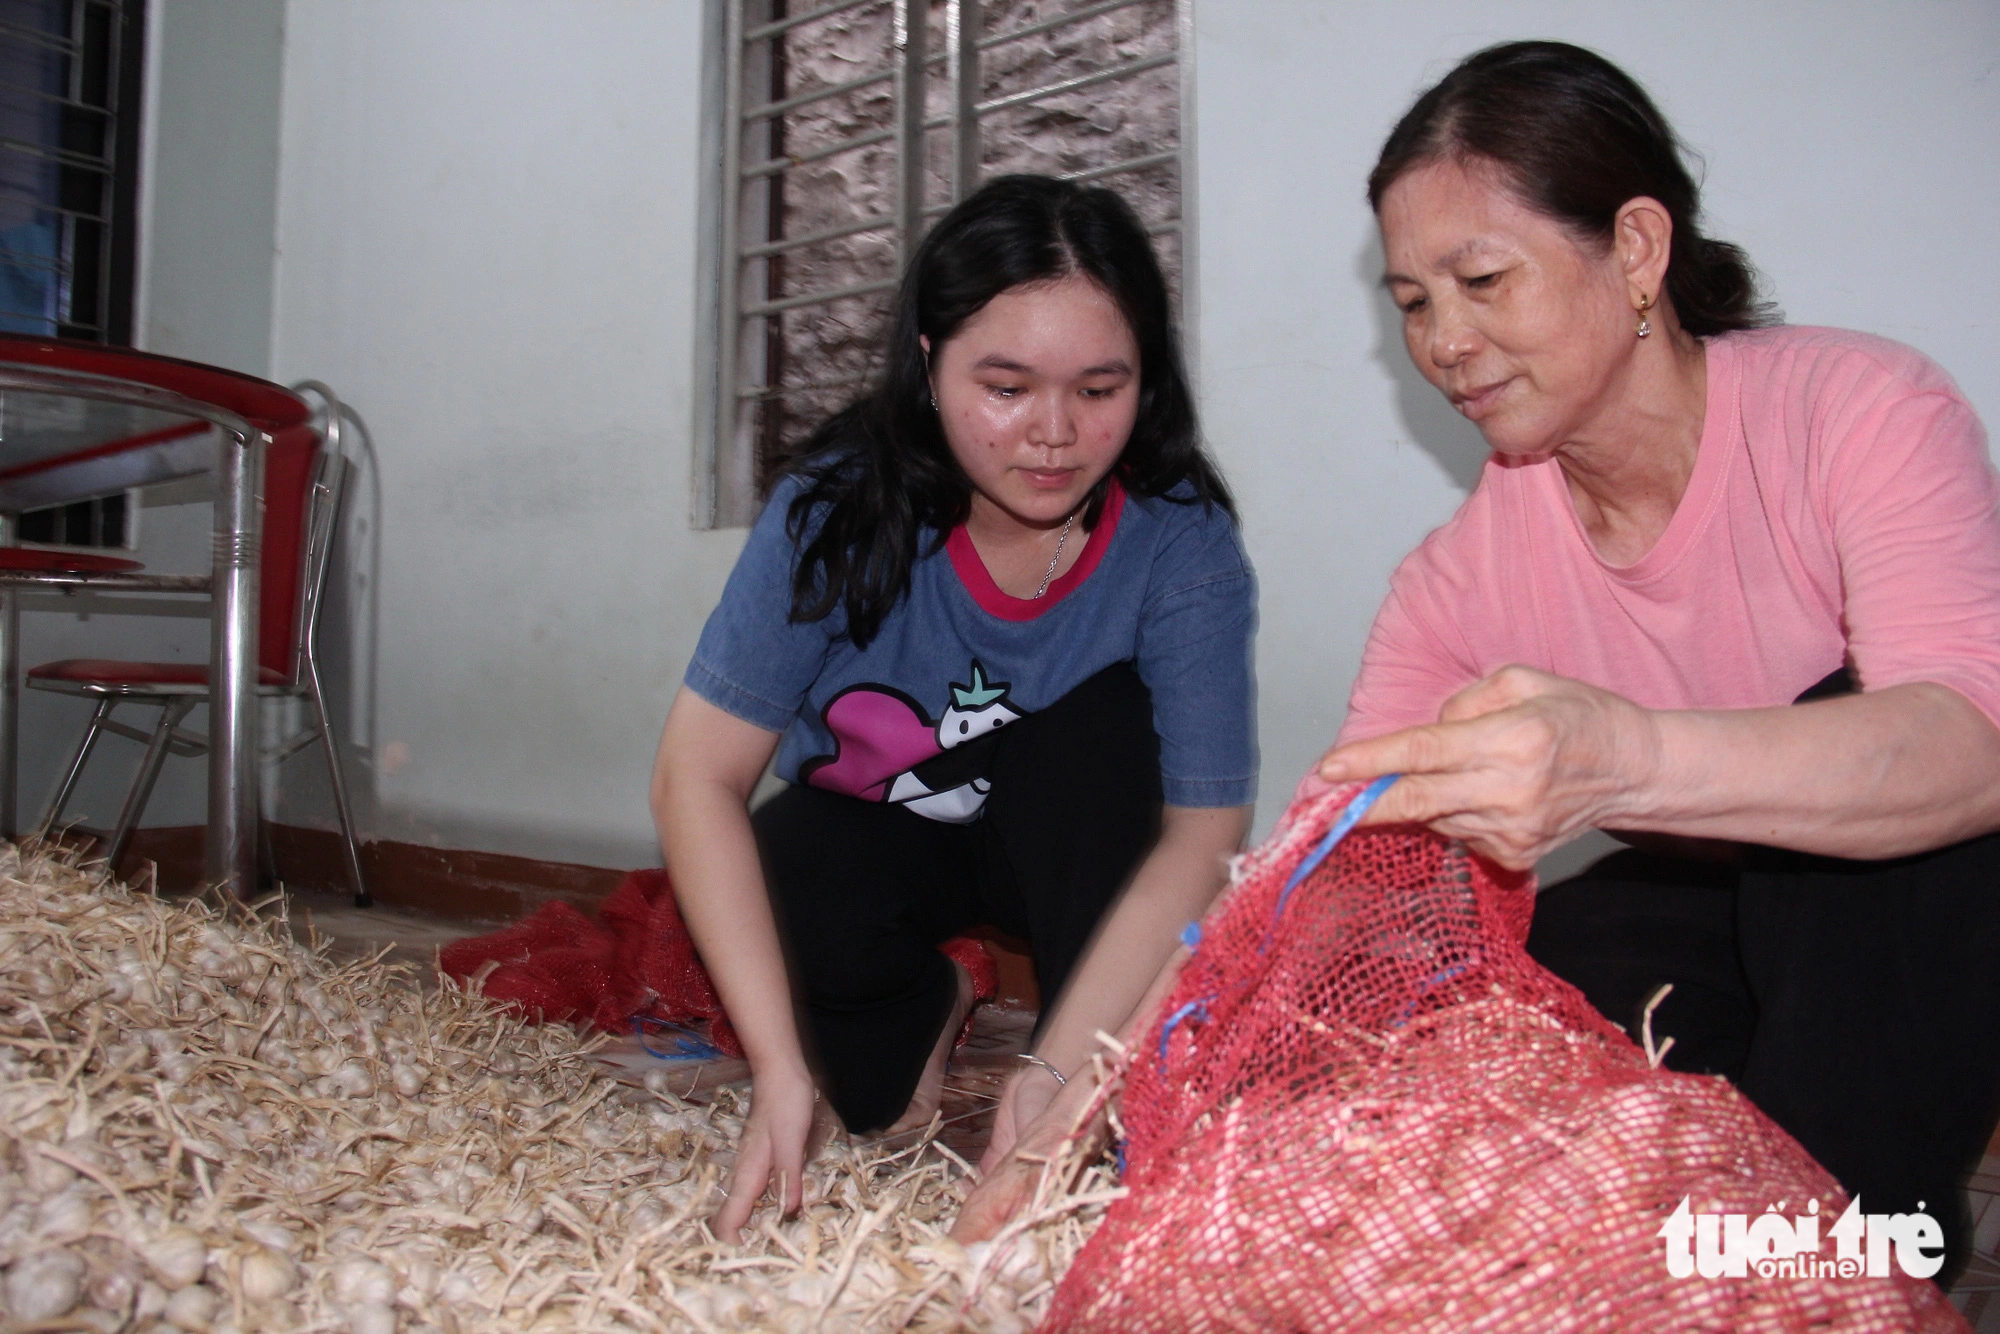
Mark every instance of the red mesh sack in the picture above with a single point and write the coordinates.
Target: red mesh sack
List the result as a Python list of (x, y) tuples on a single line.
[(1365, 1107), (636, 960), (635, 963)]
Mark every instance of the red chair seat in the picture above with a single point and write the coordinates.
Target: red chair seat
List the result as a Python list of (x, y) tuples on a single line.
[(34, 560), (109, 672)]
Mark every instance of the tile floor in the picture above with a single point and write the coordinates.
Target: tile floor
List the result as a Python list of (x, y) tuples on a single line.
[(978, 1070)]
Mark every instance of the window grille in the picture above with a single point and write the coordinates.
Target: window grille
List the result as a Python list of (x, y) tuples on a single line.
[(69, 79), (846, 127), (69, 74)]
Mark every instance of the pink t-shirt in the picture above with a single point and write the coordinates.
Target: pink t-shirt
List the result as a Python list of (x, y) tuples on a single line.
[(1842, 509)]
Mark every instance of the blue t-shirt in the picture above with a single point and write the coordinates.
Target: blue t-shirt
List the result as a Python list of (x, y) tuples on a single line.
[(1164, 586)]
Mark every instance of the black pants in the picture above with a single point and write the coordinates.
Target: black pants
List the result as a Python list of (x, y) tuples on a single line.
[(865, 891), (1856, 1003)]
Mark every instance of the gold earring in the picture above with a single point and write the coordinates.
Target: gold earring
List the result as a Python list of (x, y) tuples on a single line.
[(1645, 325)]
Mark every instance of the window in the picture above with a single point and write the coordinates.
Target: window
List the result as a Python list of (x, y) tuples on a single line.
[(847, 126), (69, 74), (69, 78)]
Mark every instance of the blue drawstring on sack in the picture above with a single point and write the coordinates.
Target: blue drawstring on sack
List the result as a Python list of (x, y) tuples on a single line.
[(688, 1044), (1196, 1009), (1191, 936), (1441, 978), (1342, 827)]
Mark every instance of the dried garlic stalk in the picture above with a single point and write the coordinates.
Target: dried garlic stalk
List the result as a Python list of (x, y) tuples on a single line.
[(207, 1127)]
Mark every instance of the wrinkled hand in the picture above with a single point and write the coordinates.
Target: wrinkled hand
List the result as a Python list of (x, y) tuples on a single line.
[(773, 1146), (1516, 765), (1010, 1176)]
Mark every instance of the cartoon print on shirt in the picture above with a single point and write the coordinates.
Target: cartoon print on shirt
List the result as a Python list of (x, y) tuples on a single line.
[(886, 749), (975, 710)]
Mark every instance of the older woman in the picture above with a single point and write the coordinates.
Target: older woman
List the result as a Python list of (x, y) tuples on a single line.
[(1731, 589)]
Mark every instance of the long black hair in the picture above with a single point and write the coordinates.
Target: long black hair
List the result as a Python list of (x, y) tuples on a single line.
[(1577, 138), (879, 473)]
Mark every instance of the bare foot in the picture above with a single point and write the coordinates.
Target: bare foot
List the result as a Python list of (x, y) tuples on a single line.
[(930, 1086)]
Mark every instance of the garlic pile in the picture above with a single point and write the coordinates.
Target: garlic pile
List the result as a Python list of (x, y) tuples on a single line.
[(207, 1127)]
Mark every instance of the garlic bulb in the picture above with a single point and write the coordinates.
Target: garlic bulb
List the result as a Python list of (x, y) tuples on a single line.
[(266, 1275), (65, 1214), (354, 1080), (176, 1255), (371, 1318), (114, 1289), (226, 968), (192, 1308), (46, 1285), (358, 1282)]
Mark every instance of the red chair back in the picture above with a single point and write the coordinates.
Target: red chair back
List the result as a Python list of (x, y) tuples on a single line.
[(288, 477)]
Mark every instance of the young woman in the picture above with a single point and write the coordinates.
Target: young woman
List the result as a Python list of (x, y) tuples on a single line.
[(995, 622)]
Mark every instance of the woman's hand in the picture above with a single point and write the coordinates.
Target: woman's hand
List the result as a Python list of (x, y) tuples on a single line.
[(772, 1150), (709, 761), (1516, 765), (1027, 1095), (1009, 1177), (1011, 1173)]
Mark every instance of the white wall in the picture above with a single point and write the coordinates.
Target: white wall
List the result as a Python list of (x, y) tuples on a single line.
[(208, 187), (1853, 148), (485, 228), (486, 224)]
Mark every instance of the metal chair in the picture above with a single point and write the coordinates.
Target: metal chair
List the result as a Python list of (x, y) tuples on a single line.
[(304, 485)]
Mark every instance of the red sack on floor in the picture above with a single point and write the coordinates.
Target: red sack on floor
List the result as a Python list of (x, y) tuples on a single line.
[(1364, 1107), (635, 961)]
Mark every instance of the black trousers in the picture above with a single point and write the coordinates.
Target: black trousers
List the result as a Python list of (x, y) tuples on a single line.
[(864, 891), (1856, 1003)]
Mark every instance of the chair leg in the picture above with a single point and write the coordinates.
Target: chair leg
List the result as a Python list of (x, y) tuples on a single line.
[(171, 714), (75, 772), (340, 804), (267, 853)]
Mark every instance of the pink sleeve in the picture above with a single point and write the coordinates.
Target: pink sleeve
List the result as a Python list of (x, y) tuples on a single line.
[(1914, 505), (1407, 671)]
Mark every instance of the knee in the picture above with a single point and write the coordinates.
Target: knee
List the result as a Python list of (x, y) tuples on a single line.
[(842, 972)]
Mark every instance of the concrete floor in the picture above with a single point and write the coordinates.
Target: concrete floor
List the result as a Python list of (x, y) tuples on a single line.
[(357, 933)]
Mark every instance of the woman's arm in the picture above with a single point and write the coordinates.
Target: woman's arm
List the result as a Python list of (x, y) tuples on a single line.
[(1011, 1176), (1523, 761), (708, 763), (1173, 886)]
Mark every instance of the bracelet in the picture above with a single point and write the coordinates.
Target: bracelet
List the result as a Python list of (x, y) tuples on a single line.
[(1034, 1060)]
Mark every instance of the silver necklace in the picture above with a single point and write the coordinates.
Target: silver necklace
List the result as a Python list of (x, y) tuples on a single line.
[(1056, 559)]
